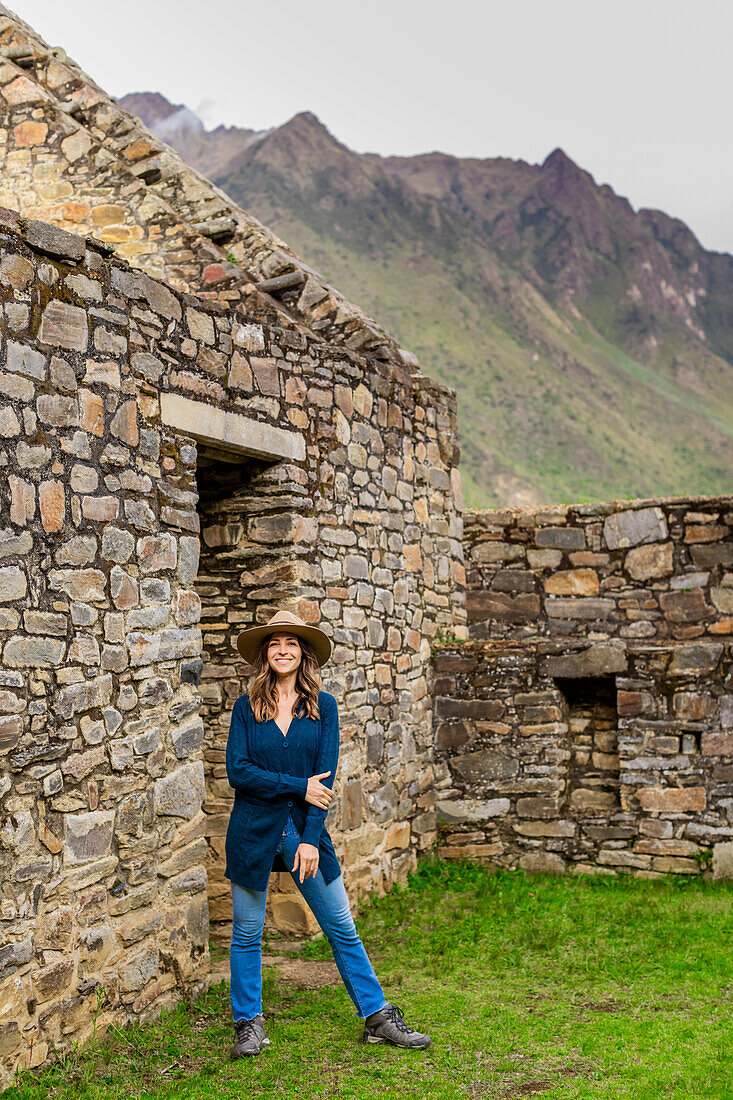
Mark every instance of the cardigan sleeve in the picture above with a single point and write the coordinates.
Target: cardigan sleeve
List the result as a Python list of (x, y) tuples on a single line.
[(243, 775), (326, 761)]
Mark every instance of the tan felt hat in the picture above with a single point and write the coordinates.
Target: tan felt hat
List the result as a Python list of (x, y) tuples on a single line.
[(248, 642)]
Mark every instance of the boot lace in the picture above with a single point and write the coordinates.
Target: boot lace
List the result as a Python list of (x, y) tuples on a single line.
[(396, 1017), (244, 1029)]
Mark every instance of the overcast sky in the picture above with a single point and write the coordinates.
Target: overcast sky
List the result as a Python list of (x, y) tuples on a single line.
[(638, 92)]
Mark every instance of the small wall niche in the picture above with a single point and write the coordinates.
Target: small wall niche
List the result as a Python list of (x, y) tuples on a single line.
[(592, 717)]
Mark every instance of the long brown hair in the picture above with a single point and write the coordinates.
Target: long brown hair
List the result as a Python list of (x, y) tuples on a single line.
[(263, 681)]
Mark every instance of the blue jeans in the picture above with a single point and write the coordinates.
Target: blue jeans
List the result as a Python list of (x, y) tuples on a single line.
[(330, 906)]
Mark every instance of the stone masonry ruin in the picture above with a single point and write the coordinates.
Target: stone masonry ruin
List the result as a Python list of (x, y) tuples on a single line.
[(587, 725), (108, 624), (195, 428)]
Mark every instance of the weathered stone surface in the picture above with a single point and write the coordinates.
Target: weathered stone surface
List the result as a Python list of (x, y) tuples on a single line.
[(566, 538), (579, 607), (468, 810), (573, 582), (484, 767), (25, 360), (64, 326), (596, 660), (137, 967), (643, 563), (13, 584), (33, 652), (188, 738), (634, 526), (181, 793), (543, 862), (723, 859), (695, 658), (685, 607), (672, 799), (88, 836), (55, 242)]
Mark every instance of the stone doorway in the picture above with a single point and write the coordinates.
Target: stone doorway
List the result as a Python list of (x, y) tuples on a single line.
[(255, 554), (249, 565), (590, 711)]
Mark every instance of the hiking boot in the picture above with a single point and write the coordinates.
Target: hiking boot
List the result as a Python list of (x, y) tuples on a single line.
[(388, 1026), (251, 1037)]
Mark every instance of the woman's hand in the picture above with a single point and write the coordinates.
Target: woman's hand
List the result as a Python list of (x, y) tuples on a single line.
[(307, 857), (318, 794)]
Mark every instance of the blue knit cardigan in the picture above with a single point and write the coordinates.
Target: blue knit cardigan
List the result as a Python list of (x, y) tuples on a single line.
[(269, 772)]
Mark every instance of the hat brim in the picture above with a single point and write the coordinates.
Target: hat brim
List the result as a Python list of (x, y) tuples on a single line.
[(248, 642)]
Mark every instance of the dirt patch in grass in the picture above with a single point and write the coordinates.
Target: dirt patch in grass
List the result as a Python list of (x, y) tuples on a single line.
[(308, 973)]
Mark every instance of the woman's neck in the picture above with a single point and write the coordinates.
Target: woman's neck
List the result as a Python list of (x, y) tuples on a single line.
[(285, 687)]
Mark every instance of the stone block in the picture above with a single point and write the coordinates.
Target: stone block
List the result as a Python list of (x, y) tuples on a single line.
[(573, 582), (35, 652), (546, 828), (352, 812), (52, 505), (460, 810), (484, 767), (543, 862), (291, 914), (695, 658), (88, 836), (685, 607), (482, 604), (644, 563), (717, 744), (79, 550), (579, 607), (25, 360), (397, 835), (635, 526), (64, 326), (486, 709), (85, 585), (672, 799), (230, 430), (451, 735), (136, 968), (562, 538), (124, 424), (541, 805), (156, 553), (9, 423), (623, 858), (587, 800), (180, 793), (596, 660), (187, 738), (13, 584), (54, 242), (54, 980), (723, 859)]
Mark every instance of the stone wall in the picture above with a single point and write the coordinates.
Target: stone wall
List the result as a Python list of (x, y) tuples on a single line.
[(131, 416), (72, 156), (588, 724)]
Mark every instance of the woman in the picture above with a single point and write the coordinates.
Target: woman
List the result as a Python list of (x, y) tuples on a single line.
[(281, 759)]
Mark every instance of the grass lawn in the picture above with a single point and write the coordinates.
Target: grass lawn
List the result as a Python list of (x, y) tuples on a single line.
[(588, 987)]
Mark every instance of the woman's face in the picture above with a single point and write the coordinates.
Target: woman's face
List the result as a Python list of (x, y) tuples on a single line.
[(284, 653)]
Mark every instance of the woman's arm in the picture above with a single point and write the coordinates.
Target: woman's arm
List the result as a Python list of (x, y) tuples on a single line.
[(243, 775), (326, 761)]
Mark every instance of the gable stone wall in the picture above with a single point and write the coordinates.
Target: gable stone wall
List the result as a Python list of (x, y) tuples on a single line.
[(139, 426)]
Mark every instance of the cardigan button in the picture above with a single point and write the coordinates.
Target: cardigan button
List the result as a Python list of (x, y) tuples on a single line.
[(290, 803), (285, 744)]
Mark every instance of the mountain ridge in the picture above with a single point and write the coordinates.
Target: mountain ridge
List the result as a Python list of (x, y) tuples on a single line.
[(529, 288)]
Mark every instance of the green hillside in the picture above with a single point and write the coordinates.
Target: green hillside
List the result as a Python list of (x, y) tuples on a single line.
[(562, 318)]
